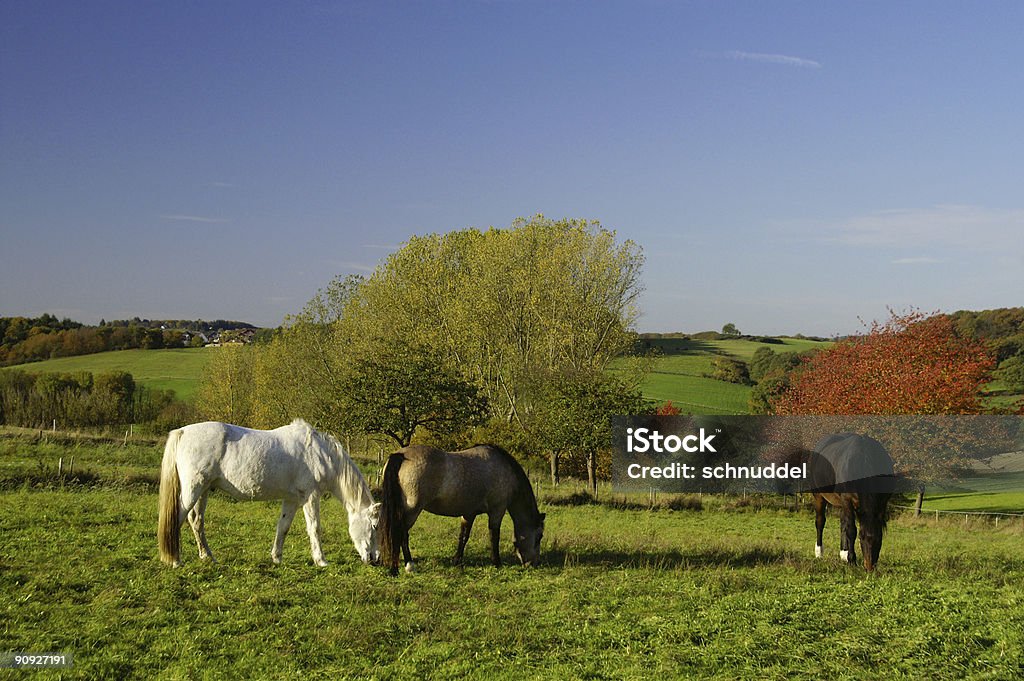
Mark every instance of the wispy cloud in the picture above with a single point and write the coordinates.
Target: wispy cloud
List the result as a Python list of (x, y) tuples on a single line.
[(921, 260), (958, 226), (766, 58), (193, 218), (353, 266)]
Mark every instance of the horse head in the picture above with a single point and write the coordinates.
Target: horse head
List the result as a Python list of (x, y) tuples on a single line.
[(873, 512), (362, 527), (527, 541)]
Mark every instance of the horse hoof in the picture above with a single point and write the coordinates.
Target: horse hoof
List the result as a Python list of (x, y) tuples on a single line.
[(276, 560), (817, 552), (410, 567), (321, 563)]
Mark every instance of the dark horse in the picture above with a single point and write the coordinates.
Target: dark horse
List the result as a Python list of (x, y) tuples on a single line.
[(853, 473), (482, 479)]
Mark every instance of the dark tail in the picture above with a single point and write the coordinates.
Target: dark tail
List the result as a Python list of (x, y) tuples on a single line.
[(392, 517)]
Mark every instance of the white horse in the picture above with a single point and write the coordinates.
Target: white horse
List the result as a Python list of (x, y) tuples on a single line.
[(294, 463)]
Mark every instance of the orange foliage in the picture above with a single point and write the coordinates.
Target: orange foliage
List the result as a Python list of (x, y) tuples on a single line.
[(668, 409), (912, 364)]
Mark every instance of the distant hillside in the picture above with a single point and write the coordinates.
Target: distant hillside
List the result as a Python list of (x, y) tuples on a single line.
[(711, 342), (684, 369), (655, 337), (690, 366), (177, 369), (24, 339)]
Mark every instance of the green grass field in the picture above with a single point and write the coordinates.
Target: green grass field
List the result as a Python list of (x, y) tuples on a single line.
[(678, 374), (696, 395), (992, 492), (173, 369), (745, 349), (620, 594), (740, 348)]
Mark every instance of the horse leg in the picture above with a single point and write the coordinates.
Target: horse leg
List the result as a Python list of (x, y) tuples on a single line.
[(819, 523), (495, 527), (403, 545), (848, 533), (288, 508), (410, 519), (196, 520), (467, 527), (190, 496), (311, 509), (407, 555)]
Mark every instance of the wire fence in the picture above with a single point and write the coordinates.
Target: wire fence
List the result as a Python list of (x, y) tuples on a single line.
[(966, 514)]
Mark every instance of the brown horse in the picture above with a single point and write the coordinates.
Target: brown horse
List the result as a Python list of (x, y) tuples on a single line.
[(482, 479), (854, 473)]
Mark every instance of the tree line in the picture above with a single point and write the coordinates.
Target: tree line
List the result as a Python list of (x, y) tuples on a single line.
[(1002, 331), (26, 339), (83, 399)]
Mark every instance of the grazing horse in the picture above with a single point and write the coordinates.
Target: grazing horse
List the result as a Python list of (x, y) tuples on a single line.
[(294, 463), (482, 479), (853, 473)]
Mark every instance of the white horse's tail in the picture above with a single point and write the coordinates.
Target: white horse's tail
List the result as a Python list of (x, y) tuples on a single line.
[(168, 532)]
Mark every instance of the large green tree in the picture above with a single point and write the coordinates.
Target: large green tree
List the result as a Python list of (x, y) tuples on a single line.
[(507, 304), (457, 320)]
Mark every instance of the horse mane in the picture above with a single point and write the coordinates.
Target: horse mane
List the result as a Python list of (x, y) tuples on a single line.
[(887, 512), (523, 481), (350, 479)]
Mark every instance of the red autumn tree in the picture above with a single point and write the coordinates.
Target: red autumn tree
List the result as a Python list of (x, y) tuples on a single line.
[(911, 364)]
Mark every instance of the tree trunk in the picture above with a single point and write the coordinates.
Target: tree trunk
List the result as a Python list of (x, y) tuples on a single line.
[(554, 469), (920, 500), (592, 473)]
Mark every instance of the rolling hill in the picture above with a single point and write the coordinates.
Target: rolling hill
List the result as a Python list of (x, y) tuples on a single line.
[(679, 373), (175, 369)]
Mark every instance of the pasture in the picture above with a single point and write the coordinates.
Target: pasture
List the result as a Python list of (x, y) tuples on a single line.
[(694, 394), (177, 369), (994, 486), (726, 592), (679, 373)]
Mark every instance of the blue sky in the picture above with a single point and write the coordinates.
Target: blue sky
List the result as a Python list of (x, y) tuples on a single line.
[(788, 167)]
